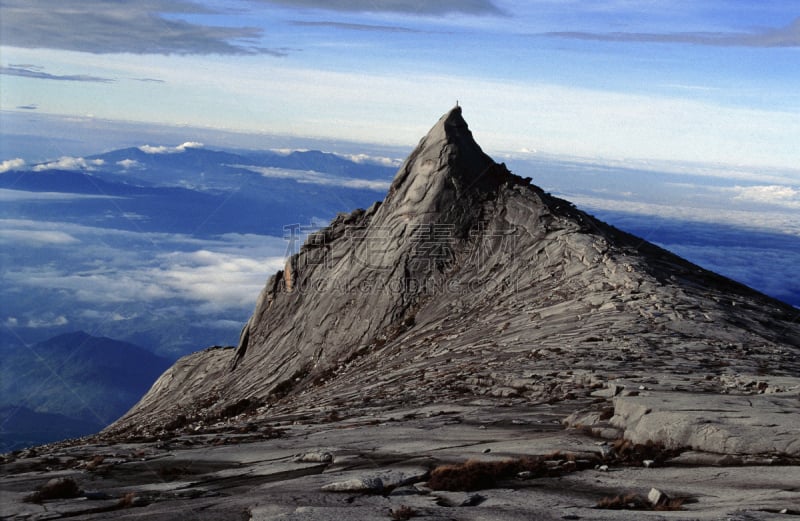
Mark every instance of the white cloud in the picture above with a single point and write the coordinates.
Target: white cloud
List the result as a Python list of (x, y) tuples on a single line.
[(376, 160), (148, 149), (226, 272), (312, 177), (11, 164), (779, 195), (35, 237), (219, 279), (787, 222), (11, 322), (22, 195), (47, 321), (127, 164), (69, 163)]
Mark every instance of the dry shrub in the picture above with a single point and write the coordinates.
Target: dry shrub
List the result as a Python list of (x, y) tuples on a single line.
[(126, 501), (624, 502), (96, 461), (634, 501), (675, 503), (56, 488), (477, 475), (629, 453), (403, 513)]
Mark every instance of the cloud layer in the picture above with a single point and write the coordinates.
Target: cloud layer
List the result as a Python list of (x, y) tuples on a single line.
[(142, 27), (317, 178), (418, 7), (788, 36), (32, 71)]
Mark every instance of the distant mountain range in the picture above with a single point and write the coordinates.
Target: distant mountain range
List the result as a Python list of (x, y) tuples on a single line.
[(201, 191), (70, 385)]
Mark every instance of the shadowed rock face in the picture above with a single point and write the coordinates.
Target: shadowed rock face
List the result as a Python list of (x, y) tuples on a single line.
[(468, 282)]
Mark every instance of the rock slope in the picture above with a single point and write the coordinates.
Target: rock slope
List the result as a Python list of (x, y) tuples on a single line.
[(468, 281)]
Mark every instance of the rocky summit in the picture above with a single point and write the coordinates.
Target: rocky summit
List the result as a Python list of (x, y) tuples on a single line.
[(469, 348)]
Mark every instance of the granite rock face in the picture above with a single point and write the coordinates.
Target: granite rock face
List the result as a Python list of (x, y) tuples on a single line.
[(468, 281)]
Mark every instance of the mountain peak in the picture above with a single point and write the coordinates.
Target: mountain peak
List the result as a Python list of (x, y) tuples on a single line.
[(444, 178), (468, 274)]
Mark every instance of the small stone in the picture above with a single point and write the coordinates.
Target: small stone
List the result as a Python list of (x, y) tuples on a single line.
[(602, 468), (487, 451), (314, 457), (657, 497), (355, 485), (606, 452), (525, 474), (648, 463), (472, 500)]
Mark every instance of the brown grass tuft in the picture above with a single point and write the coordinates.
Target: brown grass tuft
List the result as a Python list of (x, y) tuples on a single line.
[(477, 475), (126, 501), (633, 501), (403, 513), (56, 488)]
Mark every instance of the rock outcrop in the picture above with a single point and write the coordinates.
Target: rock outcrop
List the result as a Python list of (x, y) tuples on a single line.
[(468, 281)]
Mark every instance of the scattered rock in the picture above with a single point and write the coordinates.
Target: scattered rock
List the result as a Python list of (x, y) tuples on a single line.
[(314, 457), (657, 497), (371, 485)]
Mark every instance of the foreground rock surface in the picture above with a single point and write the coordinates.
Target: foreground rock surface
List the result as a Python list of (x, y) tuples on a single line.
[(470, 316), (380, 463)]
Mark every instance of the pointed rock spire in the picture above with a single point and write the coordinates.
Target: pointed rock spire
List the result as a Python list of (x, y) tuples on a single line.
[(444, 178)]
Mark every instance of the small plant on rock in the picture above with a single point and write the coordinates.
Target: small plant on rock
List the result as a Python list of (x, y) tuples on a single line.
[(402, 513)]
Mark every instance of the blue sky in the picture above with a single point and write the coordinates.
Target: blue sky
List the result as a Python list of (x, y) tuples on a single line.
[(624, 80)]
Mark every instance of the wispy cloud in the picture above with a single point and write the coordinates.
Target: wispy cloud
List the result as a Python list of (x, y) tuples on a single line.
[(99, 27), (779, 195), (787, 222), (31, 71), (7, 195), (12, 164), (418, 7), (149, 80), (375, 160), (148, 149), (317, 178), (34, 237), (127, 164), (30, 106), (357, 27), (69, 163), (788, 36)]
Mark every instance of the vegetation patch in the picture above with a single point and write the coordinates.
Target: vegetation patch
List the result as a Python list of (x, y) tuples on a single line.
[(402, 513), (56, 488), (477, 475), (634, 501)]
